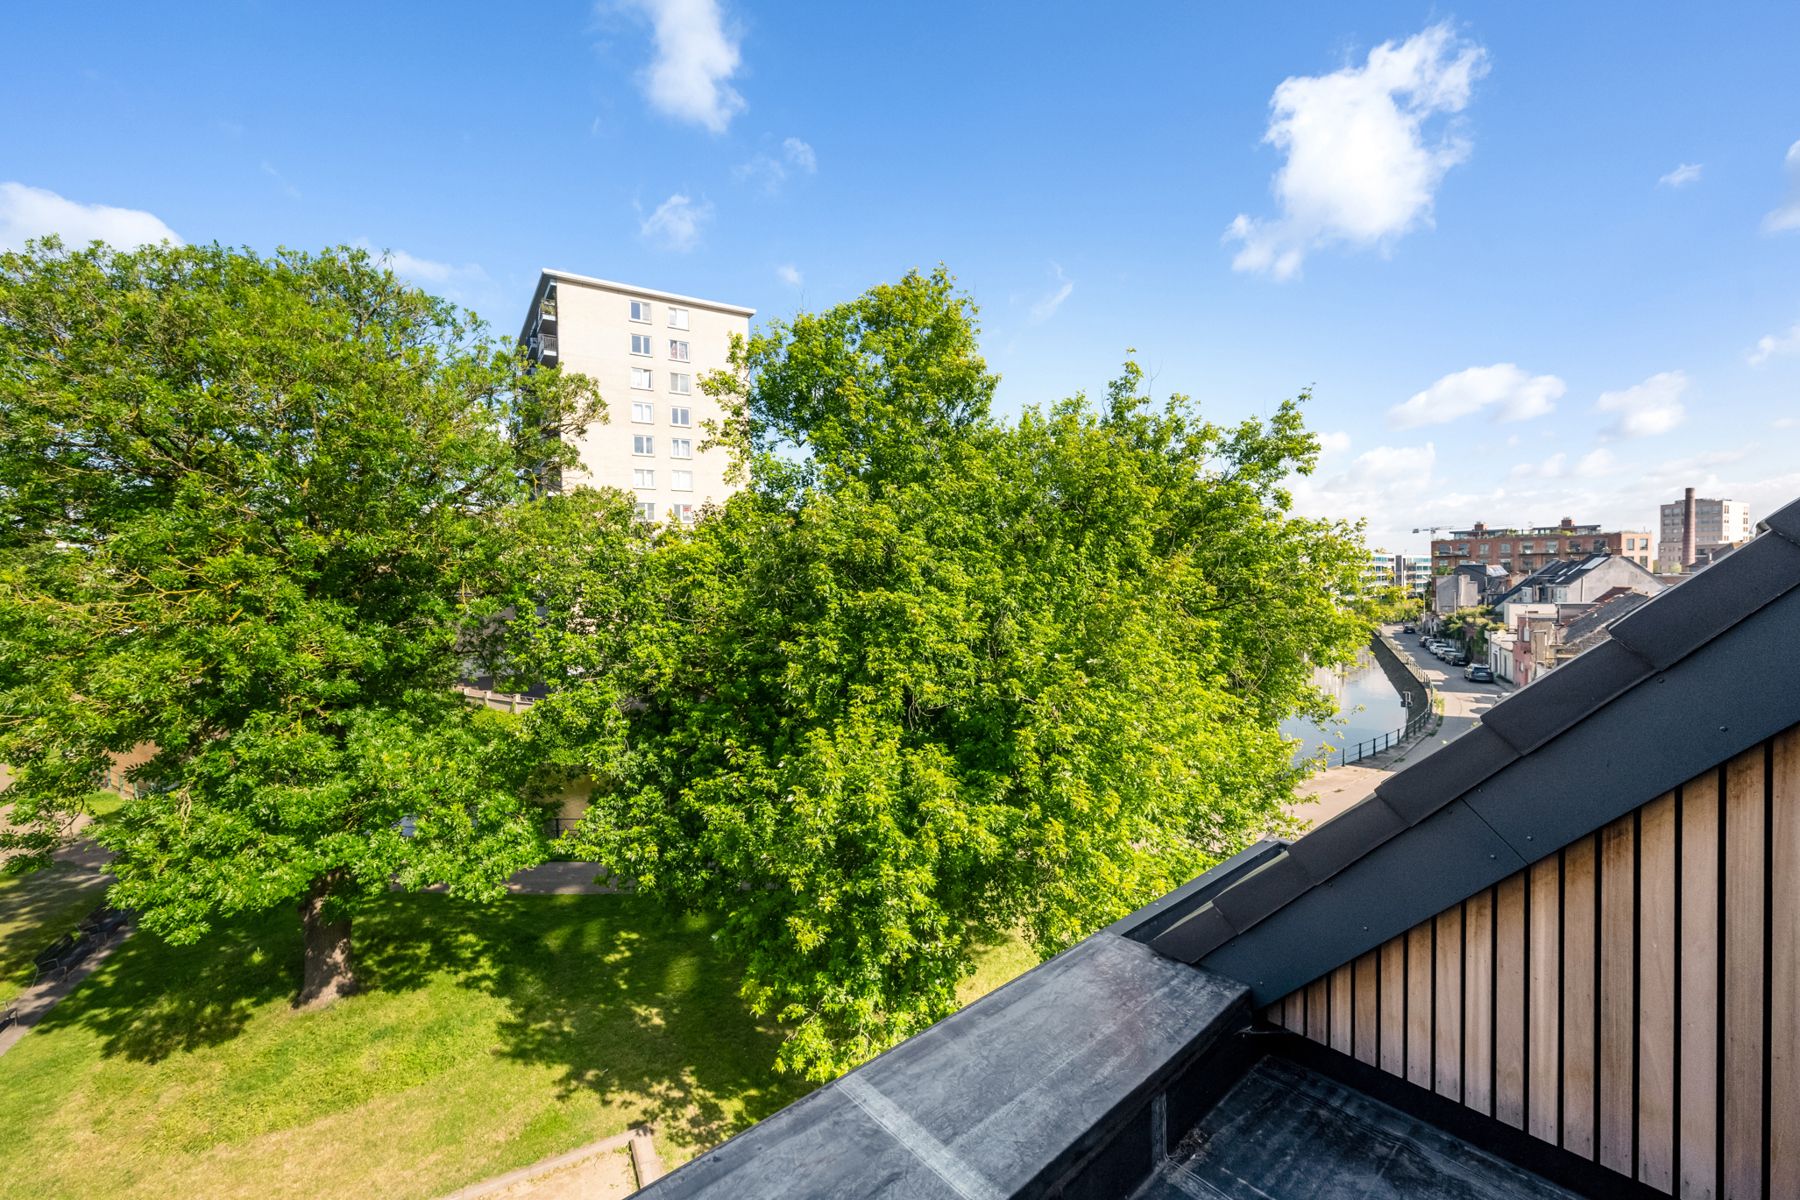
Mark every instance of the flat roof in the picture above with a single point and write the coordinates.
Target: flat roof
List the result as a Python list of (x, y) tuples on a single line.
[(547, 274), (653, 293)]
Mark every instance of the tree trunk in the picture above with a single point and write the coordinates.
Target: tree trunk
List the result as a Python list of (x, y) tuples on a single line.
[(327, 972)]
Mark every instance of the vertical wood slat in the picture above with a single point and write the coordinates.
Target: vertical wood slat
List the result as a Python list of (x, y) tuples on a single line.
[(1656, 994), (1318, 1010), (1509, 1001), (1784, 969), (1448, 988), (1478, 1002), (1609, 1001), (1393, 1006), (1618, 1016), (1744, 847), (1698, 1104), (1543, 1068), (1418, 1004), (1366, 996), (1341, 1009)]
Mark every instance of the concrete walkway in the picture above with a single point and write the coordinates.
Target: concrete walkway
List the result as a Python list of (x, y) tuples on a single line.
[(1331, 792), (36, 1001), (611, 1167), (563, 879)]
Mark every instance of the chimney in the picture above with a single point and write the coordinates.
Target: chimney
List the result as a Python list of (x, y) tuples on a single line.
[(1480, 528), (1687, 530), (1568, 522)]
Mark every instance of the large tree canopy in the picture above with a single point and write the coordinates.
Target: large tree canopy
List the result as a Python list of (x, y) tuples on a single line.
[(932, 674), (242, 501)]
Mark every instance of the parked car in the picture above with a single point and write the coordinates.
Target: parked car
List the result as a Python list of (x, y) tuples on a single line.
[(1478, 673), (1407, 628), (1457, 658)]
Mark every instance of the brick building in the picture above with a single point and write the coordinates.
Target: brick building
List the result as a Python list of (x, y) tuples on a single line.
[(1522, 551)]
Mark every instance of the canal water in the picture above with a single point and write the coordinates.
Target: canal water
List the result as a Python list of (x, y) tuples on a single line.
[(1368, 706)]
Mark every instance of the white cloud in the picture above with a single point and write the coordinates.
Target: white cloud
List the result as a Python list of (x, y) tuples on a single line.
[(1596, 463), (770, 172), (1391, 487), (1361, 168), (1649, 408), (446, 278), (1503, 387), (1788, 215), (1681, 176), (1335, 442), (789, 274), (675, 225), (1050, 301), (1770, 345), (800, 155), (292, 192), (695, 59), (1554, 467), (30, 212)]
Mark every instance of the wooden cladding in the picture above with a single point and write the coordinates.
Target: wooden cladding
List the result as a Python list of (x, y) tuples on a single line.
[(1634, 998)]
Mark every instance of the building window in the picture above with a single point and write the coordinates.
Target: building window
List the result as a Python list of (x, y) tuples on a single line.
[(643, 378), (678, 318), (681, 481), (643, 477), (678, 350), (1505, 549), (681, 448), (679, 416), (643, 443), (680, 384), (643, 410), (683, 513), (1527, 547), (640, 344), (646, 510), (640, 311)]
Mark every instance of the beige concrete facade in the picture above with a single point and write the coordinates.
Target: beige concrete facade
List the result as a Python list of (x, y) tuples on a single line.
[(647, 350), (1716, 523)]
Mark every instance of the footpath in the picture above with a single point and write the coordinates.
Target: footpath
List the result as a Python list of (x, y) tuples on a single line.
[(1330, 792)]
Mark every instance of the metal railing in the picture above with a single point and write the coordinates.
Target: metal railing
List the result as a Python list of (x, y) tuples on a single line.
[(1385, 741)]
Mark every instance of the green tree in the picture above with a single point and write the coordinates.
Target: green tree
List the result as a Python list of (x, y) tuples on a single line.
[(932, 674), (242, 501)]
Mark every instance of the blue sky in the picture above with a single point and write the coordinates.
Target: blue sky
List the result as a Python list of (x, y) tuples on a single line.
[(1534, 263)]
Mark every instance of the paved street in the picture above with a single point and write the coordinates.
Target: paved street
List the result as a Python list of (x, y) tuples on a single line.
[(1463, 703)]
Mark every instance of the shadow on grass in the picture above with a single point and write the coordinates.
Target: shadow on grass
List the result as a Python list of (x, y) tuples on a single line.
[(38, 908), (622, 1000)]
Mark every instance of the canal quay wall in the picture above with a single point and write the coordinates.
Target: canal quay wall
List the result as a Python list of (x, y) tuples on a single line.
[(1408, 680)]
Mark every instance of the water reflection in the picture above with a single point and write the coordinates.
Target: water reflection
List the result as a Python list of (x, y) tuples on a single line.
[(1368, 706)]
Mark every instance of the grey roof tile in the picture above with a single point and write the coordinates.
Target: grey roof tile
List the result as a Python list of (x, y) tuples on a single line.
[(1687, 616), (1334, 845), (1532, 716), (1785, 521), (1195, 935), (1257, 895), (1437, 779)]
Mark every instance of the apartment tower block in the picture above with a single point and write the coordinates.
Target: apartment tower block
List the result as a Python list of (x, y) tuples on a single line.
[(1695, 527), (647, 351)]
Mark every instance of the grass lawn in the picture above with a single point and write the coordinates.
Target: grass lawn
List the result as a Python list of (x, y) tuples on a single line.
[(486, 1038)]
